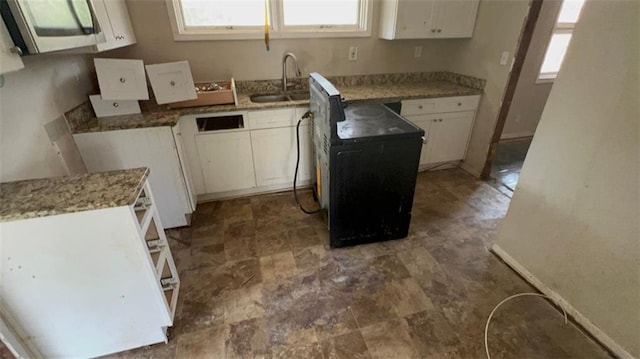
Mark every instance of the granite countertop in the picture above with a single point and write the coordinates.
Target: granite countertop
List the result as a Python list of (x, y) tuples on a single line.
[(59, 195), (370, 88)]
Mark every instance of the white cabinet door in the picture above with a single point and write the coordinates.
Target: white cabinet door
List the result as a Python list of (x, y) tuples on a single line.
[(274, 155), (425, 19), (455, 18), (9, 61), (184, 166), (424, 122), (114, 19), (449, 136), (146, 147), (406, 19), (226, 160), (414, 19)]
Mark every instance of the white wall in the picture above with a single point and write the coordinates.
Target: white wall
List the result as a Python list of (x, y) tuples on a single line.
[(530, 97), (498, 29), (574, 221), (248, 59), (48, 86)]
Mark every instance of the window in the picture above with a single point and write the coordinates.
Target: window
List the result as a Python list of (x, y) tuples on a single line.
[(245, 19), (560, 38)]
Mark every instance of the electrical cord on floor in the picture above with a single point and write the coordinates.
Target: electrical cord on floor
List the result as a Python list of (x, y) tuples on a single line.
[(308, 114), (486, 327)]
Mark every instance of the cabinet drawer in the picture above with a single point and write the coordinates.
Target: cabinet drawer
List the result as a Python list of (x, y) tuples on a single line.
[(105, 108), (121, 79), (172, 82), (282, 117), (439, 105)]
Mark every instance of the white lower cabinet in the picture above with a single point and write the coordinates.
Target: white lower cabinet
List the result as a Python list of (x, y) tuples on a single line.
[(449, 135), (259, 156), (90, 283), (447, 128), (275, 153), (227, 161), (153, 147)]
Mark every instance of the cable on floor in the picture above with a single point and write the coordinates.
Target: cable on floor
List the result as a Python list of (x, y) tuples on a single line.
[(486, 327), (309, 115)]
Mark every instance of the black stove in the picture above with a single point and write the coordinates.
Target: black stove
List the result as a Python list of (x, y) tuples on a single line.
[(366, 158)]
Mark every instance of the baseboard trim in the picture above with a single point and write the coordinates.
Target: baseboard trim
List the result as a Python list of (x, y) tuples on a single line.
[(580, 319), (470, 170), (210, 197), (509, 136)]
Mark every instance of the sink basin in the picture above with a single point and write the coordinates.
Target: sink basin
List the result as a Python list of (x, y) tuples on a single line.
[(279, 97), (269, 98), (297, 96)]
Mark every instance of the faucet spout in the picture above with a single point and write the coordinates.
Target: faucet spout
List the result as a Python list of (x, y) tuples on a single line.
[(284, 68)]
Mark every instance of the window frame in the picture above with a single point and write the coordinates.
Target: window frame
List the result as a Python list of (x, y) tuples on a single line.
[(277, 30), (558, 28)]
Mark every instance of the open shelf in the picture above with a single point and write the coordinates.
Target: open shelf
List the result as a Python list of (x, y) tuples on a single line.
[(142, 207), (152, 237)]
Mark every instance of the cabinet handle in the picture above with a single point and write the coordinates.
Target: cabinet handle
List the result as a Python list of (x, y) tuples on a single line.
[(440, 120), (433, 30), (172, 83), (459, 103), (116, 105), (439, 30), (420, 107), (123, 80)]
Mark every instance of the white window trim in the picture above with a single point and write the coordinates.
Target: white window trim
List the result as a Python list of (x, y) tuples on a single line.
[(558, 28), (276, 28)]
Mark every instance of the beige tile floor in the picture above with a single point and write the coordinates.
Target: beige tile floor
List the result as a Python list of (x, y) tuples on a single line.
[(259, 281)]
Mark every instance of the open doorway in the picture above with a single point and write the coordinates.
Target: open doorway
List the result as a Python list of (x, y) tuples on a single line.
[(543, 43)]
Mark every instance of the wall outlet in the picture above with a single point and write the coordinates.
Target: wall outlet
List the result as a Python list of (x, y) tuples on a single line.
[(417, 51), (504, 58), (353, 53)]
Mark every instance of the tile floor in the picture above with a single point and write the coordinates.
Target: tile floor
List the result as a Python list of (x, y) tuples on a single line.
[(506, 165), (259, 281)]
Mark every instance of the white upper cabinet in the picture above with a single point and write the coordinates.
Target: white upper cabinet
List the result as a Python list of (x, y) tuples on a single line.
[(9, 61), (427, 19), (114, 20), (454, 19)]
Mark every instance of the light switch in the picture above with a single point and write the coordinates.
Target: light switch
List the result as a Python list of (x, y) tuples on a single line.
[(505, 58)]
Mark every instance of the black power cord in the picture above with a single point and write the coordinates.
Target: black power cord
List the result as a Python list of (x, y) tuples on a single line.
[(308, 114)]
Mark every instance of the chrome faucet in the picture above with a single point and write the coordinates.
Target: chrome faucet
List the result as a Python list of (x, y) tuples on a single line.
[(284, 68)]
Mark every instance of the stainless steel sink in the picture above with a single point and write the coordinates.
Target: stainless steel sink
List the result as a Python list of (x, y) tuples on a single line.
[(297, 96), (279, 97)]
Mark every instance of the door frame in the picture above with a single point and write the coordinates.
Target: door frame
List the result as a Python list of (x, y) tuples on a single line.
[(512, 83)]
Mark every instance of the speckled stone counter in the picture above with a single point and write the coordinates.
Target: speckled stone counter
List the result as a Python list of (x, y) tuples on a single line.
[(370, 88), (68, 194)]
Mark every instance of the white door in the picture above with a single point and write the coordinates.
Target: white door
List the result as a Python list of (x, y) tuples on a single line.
[(455, 18), (9, 61), (414, 19), (274, 155), (424, 122), (227, 161), (449, 136)]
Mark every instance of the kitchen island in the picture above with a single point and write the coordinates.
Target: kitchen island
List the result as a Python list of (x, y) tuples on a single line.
[(85, 268)]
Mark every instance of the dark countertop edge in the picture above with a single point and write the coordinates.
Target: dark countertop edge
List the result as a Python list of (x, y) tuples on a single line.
[(88, 207)]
